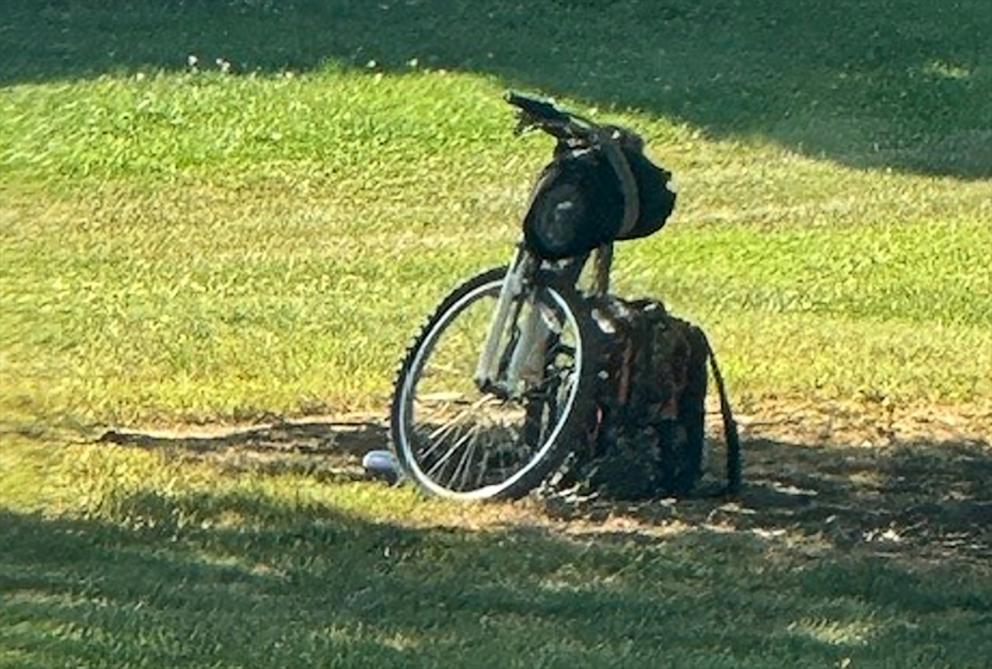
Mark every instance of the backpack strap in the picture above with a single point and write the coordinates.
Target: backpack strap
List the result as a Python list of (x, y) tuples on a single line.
[(609, 139), (734, 464)]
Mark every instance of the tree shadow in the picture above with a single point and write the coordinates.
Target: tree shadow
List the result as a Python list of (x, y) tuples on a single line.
[(915, 497), (903, 85), (289, 585), (327, 450)]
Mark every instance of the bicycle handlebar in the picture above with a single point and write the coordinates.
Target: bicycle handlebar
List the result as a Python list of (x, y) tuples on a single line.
[(568, 127), (546, 116), (539, 110)]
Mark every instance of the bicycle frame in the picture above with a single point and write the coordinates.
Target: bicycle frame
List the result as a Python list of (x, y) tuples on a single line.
[(528, 340)]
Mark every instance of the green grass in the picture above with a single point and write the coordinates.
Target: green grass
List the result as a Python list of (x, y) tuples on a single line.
[(197, 245), (183, 244), (146, 558)]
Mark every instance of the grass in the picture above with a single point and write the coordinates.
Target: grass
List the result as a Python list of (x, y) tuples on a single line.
[(259, 233), (191, 246), (150, 558)]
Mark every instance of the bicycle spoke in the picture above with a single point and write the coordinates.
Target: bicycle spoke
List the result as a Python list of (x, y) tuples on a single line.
[(464, 463), (452, 450), (483, 466), (458, 434), (440, 433)]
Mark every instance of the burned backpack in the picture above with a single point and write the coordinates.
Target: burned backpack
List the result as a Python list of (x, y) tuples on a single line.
[(648, 437)]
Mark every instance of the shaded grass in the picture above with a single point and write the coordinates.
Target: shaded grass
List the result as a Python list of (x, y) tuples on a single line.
[(897, 83), (145, 559)]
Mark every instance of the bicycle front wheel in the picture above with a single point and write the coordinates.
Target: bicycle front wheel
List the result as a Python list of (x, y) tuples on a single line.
[(455, 440)]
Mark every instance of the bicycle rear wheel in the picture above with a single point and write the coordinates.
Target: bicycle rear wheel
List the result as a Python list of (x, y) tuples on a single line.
[(453, 439)]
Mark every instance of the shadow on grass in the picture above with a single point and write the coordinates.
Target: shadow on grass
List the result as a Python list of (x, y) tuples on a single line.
[(904, 84), (250, 582), (918, 499), (325, 450), (914, 497)]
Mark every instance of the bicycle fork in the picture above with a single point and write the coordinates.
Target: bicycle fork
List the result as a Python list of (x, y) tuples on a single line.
[(506, 371)]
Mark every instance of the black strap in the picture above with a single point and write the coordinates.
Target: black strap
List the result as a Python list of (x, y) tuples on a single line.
[(734, 464)]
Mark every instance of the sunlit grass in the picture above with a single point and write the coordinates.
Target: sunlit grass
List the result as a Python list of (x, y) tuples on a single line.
[(233, 295), (181, 243)]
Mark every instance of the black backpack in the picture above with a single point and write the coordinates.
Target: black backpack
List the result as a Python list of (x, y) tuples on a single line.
[(578, 201)]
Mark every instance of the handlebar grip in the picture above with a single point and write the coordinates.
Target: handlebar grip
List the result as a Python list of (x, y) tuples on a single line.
[(539, 109)]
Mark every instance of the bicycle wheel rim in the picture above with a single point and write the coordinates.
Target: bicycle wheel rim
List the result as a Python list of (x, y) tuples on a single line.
[(423, 352)]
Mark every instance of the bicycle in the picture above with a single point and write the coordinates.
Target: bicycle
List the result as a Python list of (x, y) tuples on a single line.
[(500, 381)]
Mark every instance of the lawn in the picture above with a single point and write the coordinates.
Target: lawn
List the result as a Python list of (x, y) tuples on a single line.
[(168, 553), (225, 212)]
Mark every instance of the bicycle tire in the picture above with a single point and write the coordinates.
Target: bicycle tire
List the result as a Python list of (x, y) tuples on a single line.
[(571, 429)]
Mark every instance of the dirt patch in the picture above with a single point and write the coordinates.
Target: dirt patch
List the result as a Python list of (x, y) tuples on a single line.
[(896, 485)]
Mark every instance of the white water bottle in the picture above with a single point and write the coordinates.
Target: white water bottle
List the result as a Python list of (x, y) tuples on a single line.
[(382, 465)]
